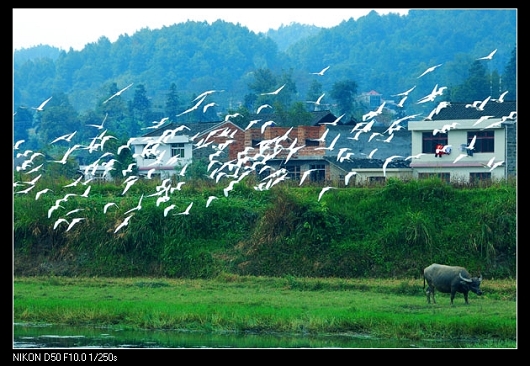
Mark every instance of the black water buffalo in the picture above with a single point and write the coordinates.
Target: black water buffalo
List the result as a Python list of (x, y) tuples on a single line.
[(450, 279)]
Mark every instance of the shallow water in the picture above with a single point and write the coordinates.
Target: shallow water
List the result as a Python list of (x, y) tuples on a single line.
[(51, 336)]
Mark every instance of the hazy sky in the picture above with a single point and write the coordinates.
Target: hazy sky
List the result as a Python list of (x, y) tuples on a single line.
[(65, 28)]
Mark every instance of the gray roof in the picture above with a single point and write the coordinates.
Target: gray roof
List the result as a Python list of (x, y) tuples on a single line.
[(400, 144), (459, 111)]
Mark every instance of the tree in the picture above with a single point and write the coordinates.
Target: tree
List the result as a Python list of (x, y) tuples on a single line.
[(140, 110), (22, 122), (475, 87), (57, 119), (172, 102), (509, 77), (344, 93)]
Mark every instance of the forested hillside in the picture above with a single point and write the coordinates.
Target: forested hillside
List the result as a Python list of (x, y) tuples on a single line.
[(170, 66)]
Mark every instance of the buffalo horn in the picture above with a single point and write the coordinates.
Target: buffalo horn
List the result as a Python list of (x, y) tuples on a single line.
[(465, 279)]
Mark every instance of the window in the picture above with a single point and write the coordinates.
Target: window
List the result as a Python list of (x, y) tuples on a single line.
[(446, 177), (484, 141), (376, 180), (312, 142), (429, 141), (177, 149), (475, 178), (319, 175), (293, 172)]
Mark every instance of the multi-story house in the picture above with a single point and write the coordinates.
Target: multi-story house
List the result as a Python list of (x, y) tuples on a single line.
[(332, 151), (478, 141)]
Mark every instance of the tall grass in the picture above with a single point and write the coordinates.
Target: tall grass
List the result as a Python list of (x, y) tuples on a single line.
[(394, 230)]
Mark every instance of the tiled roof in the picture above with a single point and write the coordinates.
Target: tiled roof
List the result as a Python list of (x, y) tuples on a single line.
[(459, 111), (401, 143), (318, 117), (364, 163)]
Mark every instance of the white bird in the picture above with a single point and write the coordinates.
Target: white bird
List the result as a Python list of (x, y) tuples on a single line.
[(471, 145), (499, 163), (405, 93), (461, 156), (128, 184), (86, 192), (494, 124), (501, 98), (206, 106), (157, 124), (305, 175), (41, 106), (348, 176), (317, 101), (67, 137), (74, 211), (229, 187), (187, 210), (138, 206), (34, 180), (58, 221), (387, 161), (374, 134), (118, 92), (125, 222), (73, 222), (39, 193), (128, 170), (335, 122), (150, 173), (100, 127), (53, 208), (274, 92), (400, 104), (481, 106), (331, 146), (192, 108), (162, 199), (372, 114), (417, 156), (168, 208), (341, 152), (324, 190), (75, 182), (430, 69), (389, 138), (483, 118), (474, 104), (265, 125), (107, 206), (233, 115), (209, 200), (371, 155), (293, 150), (488, 57), (321, 72), (34, 169), (66, 154), (206, 93), (17, 144), (183, 170), (490, 162), (261, 107), (323, 137), (252, 123)]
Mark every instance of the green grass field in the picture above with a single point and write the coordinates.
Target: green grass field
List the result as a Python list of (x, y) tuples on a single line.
[(381, 308)]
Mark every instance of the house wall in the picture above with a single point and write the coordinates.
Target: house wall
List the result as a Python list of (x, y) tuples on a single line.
[(162, 166), (459, 171)]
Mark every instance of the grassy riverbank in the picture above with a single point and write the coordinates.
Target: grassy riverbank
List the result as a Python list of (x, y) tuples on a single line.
[(288, 305)]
